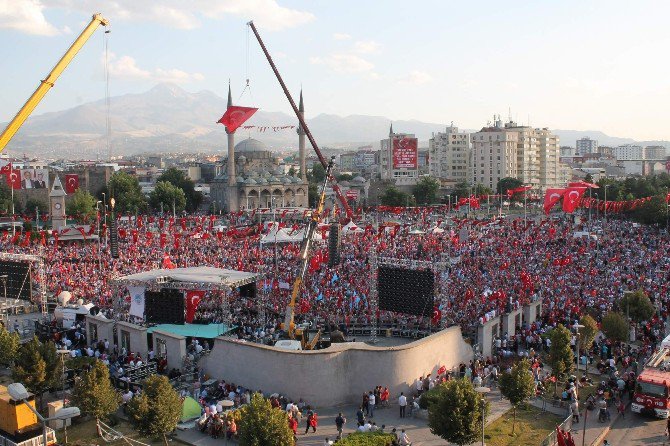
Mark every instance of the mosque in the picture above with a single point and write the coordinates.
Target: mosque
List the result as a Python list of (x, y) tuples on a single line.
[(253, 177)]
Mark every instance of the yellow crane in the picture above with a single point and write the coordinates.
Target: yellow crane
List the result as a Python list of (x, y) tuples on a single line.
[(46, 84)]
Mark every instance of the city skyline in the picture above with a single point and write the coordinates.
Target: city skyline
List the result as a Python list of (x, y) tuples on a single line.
[(564, 66)]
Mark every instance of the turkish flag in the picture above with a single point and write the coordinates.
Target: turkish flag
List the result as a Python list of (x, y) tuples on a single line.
[(14, 179), (71, 183), (167, 262), (5, 167), (193, 298), (571, 198), (551, 197), (437, 316), (235, 116)]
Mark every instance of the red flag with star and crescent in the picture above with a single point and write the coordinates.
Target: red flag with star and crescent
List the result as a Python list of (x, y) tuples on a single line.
[(14, 179), (551, 197), (71, 183), (571, 198), (193, 298), (235, 116)]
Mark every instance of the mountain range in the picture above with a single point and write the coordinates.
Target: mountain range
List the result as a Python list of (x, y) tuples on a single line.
[(170, 119)]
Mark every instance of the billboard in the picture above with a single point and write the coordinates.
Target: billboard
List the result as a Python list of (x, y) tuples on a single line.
[(34, 178), (405, 153)]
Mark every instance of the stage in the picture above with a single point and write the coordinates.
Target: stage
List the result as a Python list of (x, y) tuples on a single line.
[(207, 331)]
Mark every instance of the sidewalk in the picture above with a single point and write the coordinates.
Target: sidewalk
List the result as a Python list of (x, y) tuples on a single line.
[(416, 428)]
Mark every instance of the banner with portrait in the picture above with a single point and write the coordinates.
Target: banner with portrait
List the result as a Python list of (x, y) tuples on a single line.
[(34, 178)]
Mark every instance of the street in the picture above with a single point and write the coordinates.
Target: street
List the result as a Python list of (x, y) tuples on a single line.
[(637, 430)]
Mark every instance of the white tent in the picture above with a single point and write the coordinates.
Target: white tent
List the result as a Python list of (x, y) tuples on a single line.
[(285, 235), (416, 232), (351, 227), (436, 230)]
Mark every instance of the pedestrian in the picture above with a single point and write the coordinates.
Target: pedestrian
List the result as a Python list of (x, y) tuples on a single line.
[(340, 421), (360, 416), (371, 404), (404, 438), (574, 408), (310, 421), (402, 402)]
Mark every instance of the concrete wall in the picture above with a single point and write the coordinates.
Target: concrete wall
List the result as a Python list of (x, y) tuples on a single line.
[(175, 347), (509, 321), (485, 334), (103, 326), (137, 338), (336, 375), (532, 312)]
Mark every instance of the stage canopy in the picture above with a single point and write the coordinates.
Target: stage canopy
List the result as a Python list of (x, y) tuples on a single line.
[(215, 277), (285, 235)]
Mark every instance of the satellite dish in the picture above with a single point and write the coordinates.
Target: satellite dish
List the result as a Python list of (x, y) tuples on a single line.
[(80, 301), (64, 297)]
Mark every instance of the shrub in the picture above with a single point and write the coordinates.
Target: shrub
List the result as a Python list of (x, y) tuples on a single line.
[(366, 439), (427, 398)]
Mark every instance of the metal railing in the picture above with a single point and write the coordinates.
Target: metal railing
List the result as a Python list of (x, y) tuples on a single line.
[(37, 440), (551, 439)]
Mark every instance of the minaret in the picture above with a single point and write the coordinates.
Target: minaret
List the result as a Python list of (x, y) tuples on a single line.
[(301, 141), (57, 204), (232, 179), (391, 130)]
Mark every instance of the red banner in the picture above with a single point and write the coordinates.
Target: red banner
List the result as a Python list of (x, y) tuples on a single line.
[(551, 197), (193, 298), (71, 183), (235, 116), (571, 198), (405, 153), (14, 179)]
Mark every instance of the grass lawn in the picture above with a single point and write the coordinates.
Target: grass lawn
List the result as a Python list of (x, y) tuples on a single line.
[(84, 434), (531, 427)]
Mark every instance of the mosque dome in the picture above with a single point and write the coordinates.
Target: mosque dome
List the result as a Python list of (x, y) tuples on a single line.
[(250, 145), (250, 181), (358, 180), (262, 181)]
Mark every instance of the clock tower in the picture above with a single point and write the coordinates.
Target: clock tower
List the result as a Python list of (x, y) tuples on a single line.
[(57, 205)]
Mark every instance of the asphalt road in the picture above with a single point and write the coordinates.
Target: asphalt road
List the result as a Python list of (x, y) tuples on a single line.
[(636, 429)]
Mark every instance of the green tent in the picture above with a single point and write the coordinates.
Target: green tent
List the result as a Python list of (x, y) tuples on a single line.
[(190, 409)]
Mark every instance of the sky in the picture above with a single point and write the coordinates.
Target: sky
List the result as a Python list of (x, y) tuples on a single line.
[(570, 64)]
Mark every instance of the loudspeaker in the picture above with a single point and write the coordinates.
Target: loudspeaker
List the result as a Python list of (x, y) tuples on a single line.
[(248, 291), (114, 239), (164, 307), (334, 245)]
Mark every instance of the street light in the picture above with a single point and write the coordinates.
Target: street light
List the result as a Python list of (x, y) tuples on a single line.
[(19, 393), (483, 391), (576, 328), (606, 186)]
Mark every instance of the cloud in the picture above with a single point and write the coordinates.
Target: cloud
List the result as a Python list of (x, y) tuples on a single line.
[(366, 46), (180, 14), (125, 67), (341, 36), (25, 16), (416, 77), (344, 63)]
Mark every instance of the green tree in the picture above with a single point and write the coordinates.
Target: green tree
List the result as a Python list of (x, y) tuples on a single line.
[(166, 194), (262, 425), (35, 203), (318, 173), (9, 345), (312, 194), (588, 178), (81, 206), (615, 327), (588, 332), (6, 199), (157, 410), (425, 190), (462, 189), (344, 177), (126, 191), (395, 197), (507, 183), (517, 386), (292, 171), (456, 413), (94, 394), (637, 306), (481, 190), (30, 369), (561, 358), (654, 211), (54, 367), (179, 179)]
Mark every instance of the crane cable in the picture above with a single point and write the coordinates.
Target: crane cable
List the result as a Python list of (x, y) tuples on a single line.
[(108, 129), (247, 86)]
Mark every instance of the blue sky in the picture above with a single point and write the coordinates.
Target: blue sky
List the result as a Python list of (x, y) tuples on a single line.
[(585, 65)]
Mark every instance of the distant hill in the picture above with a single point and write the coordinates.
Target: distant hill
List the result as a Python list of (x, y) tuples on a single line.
[(168, 118)]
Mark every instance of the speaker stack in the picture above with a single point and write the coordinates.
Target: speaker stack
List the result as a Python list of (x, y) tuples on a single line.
[(334, 245)]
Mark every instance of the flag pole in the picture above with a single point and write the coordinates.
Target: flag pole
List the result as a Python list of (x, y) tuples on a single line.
[(13, 225)]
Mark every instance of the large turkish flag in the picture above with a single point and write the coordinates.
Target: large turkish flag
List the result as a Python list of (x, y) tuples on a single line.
[(571, 198), (235, 116), (71, 183), (14, 179), (551, 197)]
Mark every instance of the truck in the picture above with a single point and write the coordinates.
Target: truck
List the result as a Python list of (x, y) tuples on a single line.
[(652, 389)]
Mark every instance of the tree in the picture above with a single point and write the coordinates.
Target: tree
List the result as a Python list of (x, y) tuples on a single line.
[(456, 413), (81, 206), (157, 410), (165, 195), (179, 179), (29, 367), (637, 306), (261, 424), (94, 394), (54, 367), (6, 199), (34, 203), (318, 173), (588, 332), (654, 211), (425, 190), (312, 194), (9, 346), (292, 171), (507, 183), (481, 190), (615, 327), (588, 178), (396, 197), (344, 177), (126, 191), (517, 386), (462, 189), (560, 354)]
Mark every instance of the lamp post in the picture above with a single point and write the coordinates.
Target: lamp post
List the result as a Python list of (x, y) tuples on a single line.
[(19, 393), (576, 328), (606, 186), (483, 391)]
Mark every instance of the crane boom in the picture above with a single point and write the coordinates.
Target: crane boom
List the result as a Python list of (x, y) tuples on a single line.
[(46, 84), (303, 124)]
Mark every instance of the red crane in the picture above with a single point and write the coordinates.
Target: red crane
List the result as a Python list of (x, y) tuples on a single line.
[(303, 124)]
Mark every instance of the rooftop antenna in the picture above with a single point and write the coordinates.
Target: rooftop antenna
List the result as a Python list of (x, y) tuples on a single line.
[(509, 114)]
